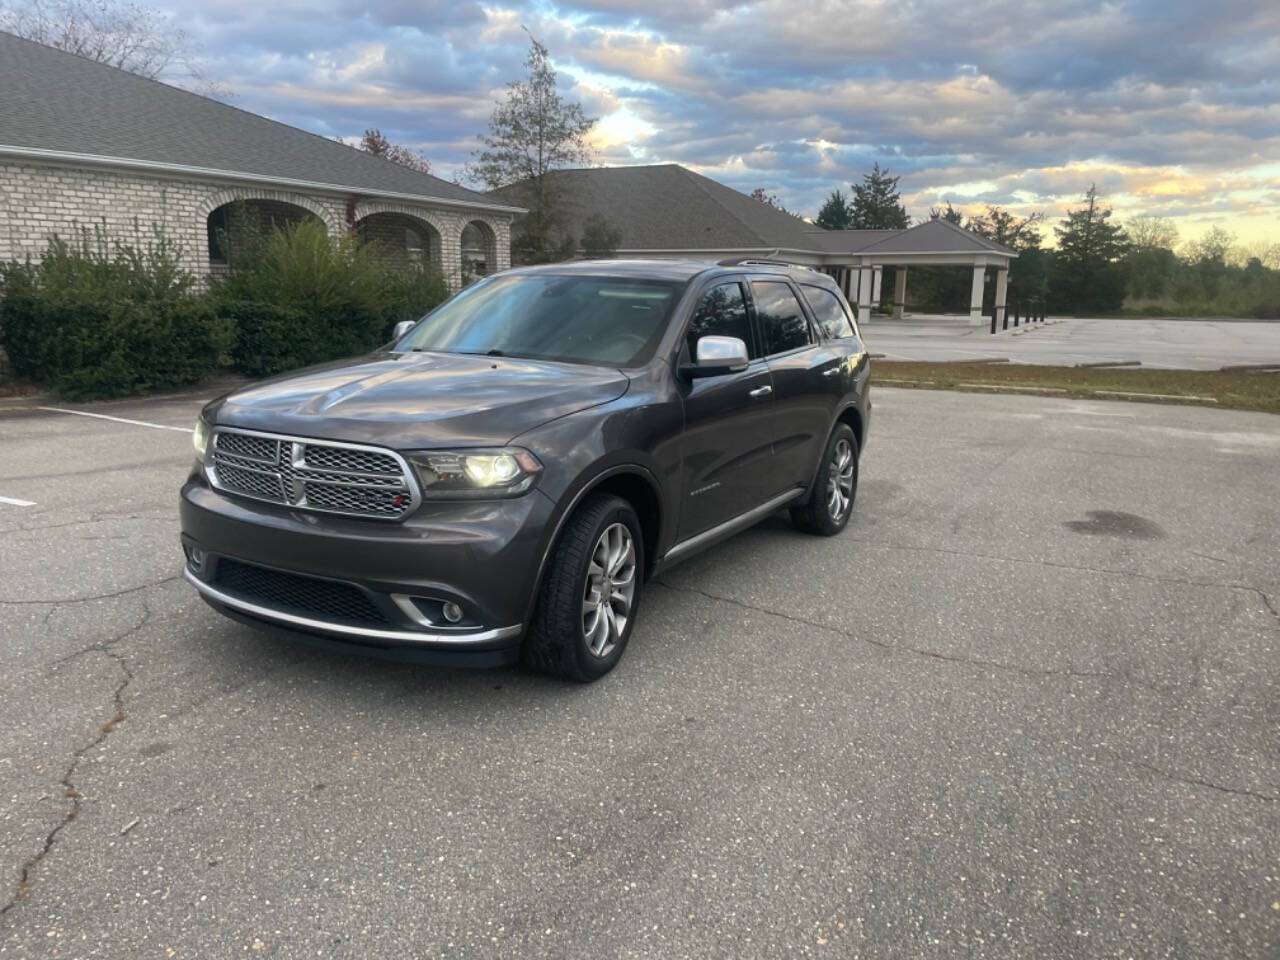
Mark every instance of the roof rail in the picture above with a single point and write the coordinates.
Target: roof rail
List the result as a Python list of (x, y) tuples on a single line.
[(761, 261)]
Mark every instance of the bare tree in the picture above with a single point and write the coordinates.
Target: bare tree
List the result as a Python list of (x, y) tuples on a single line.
[(1151, 233), (374, 142), (532, 133), (130, 36)]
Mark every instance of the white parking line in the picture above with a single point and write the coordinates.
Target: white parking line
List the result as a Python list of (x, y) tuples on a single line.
[(103, 416), (14, 501)]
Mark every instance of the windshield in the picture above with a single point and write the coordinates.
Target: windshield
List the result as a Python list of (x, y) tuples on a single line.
[(599, 320)]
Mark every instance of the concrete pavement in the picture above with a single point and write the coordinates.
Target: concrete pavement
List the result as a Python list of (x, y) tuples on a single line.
[(1176, 344), (1026, 705)]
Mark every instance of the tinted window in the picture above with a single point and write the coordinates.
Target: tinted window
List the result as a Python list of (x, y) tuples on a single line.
[(782, 322), (580, 319), (722, 312), (827, 308)]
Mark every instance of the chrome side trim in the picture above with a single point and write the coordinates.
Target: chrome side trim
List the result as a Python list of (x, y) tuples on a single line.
[(733, 525), (344, 630)]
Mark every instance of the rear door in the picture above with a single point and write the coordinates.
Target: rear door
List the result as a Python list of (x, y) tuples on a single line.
[(841, 344), (727, 458), (798, 361)]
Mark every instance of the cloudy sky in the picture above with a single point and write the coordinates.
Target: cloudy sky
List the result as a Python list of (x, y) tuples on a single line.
[(1171, 106)]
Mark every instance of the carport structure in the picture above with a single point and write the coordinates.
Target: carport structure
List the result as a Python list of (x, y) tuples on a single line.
[(670, 211), (857, 258)]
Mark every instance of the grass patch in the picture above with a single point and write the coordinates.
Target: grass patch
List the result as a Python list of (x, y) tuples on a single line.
[(1231, 389)]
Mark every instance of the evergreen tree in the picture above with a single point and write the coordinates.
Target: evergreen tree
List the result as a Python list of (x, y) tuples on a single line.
[(835, 213), (1087, 275), (1009, 230), (877, 204), (951, 214)]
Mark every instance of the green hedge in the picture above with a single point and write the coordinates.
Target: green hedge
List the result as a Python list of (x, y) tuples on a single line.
[(93, 320)]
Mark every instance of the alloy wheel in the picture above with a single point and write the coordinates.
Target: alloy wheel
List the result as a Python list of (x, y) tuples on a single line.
[(840, 479), (609, 590)]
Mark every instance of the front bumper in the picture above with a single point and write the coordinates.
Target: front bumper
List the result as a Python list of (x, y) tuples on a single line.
[(370, 584)]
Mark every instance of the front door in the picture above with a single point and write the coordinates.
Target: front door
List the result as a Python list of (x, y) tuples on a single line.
[(804, 403), (727, 456)]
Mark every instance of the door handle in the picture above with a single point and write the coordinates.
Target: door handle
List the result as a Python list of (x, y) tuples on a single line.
[(832, 371), (761, 391)]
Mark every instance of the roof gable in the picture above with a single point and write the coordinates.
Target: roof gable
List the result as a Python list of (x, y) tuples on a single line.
[(936, 236), (57, 101)]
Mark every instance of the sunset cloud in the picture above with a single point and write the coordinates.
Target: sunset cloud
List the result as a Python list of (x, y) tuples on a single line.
[(1171, 106)]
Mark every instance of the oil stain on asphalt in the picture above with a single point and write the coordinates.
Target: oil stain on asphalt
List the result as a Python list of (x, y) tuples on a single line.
[(1113, 523)]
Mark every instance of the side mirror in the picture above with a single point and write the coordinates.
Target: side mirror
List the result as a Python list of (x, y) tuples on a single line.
[(401, 328), (717, 355)]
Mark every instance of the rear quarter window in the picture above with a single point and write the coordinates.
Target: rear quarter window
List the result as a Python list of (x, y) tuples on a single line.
[(830, 313)]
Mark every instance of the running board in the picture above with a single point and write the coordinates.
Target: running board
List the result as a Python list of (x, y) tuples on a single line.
[(729, 527)]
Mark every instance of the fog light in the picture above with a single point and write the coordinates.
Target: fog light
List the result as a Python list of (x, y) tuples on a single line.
[(452, 612), (195, 557)]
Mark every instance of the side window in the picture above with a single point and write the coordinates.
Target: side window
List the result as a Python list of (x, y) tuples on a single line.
[(781, 319), (831, 314), (722, 312)]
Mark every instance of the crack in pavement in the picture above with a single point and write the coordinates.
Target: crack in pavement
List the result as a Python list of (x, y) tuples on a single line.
[(92, 518), (996, 665), (96, 596), (1192, 781), (1267, 601), (921, 651), (26, 878)]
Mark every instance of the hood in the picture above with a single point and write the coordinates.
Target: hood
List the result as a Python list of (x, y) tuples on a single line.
[(419, 400)]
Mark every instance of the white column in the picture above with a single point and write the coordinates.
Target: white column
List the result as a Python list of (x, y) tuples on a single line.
[(1002, 288), (864, 294), (899, 291), (875, 286), (975, 297)]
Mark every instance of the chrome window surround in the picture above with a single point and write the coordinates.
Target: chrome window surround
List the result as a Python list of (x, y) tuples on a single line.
[(321, 475)]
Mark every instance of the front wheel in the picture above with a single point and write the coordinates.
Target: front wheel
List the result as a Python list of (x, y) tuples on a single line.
[(590, 594), (834, 487)]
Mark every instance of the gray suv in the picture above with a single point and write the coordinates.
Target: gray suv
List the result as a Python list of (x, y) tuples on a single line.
[(499, 482)]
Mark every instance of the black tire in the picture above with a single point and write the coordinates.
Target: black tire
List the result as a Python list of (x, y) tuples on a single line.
[(817, 515), (557, 641)]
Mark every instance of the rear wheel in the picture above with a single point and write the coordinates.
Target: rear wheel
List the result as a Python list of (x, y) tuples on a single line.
[(590, 594), (834, 487)]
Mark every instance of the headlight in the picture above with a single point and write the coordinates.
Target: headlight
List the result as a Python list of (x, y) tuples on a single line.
[(475, 474), (200, 437)]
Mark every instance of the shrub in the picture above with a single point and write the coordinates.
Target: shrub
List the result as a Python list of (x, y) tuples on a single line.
[(93, 320), (297, 297)]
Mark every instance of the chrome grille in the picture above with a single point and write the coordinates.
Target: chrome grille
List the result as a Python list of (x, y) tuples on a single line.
[(310, 475), (349, 461)]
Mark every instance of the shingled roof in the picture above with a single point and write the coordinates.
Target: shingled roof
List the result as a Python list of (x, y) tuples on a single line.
[(57, 105), (669, 208)]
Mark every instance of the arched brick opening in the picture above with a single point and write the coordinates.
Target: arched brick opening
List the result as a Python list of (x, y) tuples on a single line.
[(401, 237), (240, 221), (479, 245)]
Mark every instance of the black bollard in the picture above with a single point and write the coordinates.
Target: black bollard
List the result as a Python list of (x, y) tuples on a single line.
[(1015, 312), (993, 319)]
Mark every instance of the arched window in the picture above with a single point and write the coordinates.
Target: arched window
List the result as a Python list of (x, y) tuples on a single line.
[(236, 225), (401, 237)]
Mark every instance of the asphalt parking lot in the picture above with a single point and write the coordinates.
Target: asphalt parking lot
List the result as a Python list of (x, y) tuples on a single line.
[(1028, 705), (1168, 344)]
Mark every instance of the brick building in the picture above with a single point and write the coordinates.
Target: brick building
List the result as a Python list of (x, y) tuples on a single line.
[(83, 145)]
